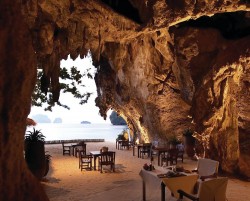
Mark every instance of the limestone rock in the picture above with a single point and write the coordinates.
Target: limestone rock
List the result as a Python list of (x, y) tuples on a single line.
[(157, 66)]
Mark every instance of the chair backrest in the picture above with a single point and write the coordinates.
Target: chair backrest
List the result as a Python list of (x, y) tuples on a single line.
[(107, 158), (207, 167), (185, 183), (214, 189), (65, 146), (82, 148), (81, 143), (66, 149)]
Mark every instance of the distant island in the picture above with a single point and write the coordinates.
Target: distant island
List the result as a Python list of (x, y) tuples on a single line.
[(85, 122), (41, 118), (57, 120)]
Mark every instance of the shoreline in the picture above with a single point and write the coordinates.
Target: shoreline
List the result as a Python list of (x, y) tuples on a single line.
[(73, 141)]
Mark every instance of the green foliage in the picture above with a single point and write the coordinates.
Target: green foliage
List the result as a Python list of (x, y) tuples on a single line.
[(34, 136), (116, 120), (71, 81)]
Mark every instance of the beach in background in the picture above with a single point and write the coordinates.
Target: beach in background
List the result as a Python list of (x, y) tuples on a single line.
[(69, 131)]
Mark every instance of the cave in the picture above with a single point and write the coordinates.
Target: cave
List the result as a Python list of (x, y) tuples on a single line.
[(164, 65), (232, 25), (125, 8)]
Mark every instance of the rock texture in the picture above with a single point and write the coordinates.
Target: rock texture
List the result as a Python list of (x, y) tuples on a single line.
[(165, 66), (18, 76)]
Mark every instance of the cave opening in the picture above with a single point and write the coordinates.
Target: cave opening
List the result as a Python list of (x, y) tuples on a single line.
[(232, 25), (124, 8), (69, 109)]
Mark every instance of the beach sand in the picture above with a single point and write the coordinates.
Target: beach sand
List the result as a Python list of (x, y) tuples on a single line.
[(66, 182)]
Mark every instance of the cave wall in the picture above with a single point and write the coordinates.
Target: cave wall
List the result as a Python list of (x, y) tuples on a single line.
[(152, 69), (144, 88), (242, 105), (215, 67), (18, 76)]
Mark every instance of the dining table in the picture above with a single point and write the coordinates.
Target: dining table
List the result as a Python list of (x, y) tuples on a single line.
[(95, 154), (122, 143), (159, 151), (157, 180), (141, 146)]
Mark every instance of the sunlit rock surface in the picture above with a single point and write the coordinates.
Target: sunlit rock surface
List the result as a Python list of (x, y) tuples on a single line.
[(164, 65), (159, 70)]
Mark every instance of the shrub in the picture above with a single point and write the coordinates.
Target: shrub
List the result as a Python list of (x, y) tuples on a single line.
[(34, 136)]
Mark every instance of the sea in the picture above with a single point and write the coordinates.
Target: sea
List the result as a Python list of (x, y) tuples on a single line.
[(69, 131)]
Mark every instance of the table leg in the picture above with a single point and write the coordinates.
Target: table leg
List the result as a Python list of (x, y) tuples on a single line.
[(133, 150), (73, 149), (143, 190), (162, 191), (95, 162), (138, 150)]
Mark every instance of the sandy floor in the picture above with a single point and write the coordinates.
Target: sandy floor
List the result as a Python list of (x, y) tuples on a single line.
[(66, 182)]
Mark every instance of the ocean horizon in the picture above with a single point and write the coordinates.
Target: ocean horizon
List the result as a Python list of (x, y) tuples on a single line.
[(71, 131)]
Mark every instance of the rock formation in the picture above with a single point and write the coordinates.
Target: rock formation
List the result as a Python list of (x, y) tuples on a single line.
[(163, 65)]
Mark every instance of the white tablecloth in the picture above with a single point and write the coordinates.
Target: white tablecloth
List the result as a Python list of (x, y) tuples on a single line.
[(153, 184)]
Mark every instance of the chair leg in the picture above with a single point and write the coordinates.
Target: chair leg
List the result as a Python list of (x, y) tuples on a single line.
[(80, 164), (112, 168), (90, 164)]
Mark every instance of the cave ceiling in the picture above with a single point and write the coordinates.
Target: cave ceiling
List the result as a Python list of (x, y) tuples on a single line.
[(163, 65)]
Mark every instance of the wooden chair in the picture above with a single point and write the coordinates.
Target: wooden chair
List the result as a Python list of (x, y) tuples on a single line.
[(146, 149), (214, 189), (180, 148), (85, 161), (180, 155), (80, 148), (171, 156), (125, 144), (66, 149), (107, 158)]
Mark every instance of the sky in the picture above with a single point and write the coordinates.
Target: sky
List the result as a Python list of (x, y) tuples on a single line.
[(77, 112)]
